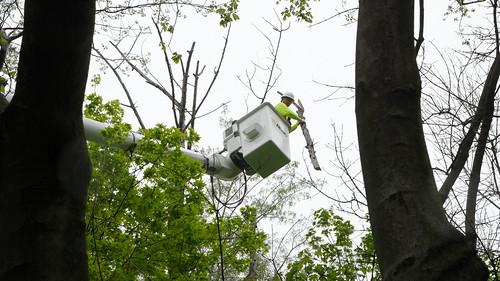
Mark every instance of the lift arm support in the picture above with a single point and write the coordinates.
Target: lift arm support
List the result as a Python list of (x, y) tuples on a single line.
[(217, 165)]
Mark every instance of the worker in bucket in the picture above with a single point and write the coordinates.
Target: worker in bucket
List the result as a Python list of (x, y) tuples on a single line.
[(287, 99)]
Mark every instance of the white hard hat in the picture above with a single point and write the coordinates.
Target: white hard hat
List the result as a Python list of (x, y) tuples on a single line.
[(288, 95)]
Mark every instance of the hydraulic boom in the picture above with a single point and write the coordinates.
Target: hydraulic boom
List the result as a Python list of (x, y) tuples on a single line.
[(217, 165), (256, 143)]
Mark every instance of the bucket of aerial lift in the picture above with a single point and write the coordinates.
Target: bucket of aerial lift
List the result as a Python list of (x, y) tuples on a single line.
[(258, 142)]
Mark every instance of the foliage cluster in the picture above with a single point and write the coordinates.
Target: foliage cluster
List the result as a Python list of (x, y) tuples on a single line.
[(330, 254), (299, 9), (147, 213)]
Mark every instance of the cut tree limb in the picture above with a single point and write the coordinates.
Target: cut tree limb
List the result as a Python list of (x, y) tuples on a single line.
[(307, 136)]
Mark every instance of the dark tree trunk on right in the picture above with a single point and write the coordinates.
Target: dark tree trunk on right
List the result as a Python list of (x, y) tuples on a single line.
[(413, 239)]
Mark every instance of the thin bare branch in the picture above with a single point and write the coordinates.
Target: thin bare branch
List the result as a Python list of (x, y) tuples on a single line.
[(127, 93), (274, 54), (216, 73), (461, 2), (197, 74), (170, 73), (122, 8), (213, 110), (334, 16), (145, 77), (487, 97), (185, 77)]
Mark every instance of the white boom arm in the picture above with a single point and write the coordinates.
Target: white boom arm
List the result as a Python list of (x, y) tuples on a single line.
[(256, 143), (217, 165)]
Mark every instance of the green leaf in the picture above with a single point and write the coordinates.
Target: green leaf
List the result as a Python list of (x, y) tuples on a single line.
[(176, 57), (96, 80)]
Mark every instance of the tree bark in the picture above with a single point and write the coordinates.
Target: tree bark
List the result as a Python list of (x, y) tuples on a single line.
[(44, 166), (413, 239)]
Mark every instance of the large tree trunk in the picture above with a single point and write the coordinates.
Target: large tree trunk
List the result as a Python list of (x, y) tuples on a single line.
[(413, 239), (44, 167)]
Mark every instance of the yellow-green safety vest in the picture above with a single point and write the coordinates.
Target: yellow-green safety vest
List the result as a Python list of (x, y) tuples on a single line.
[(288, 114)]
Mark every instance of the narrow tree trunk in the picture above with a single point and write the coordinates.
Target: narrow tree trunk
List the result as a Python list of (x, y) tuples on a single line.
[(413, 239), (44, 167)]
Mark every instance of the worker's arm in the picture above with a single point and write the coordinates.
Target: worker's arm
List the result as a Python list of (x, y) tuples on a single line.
[(292, 114), (293, 127), (286, 112)]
